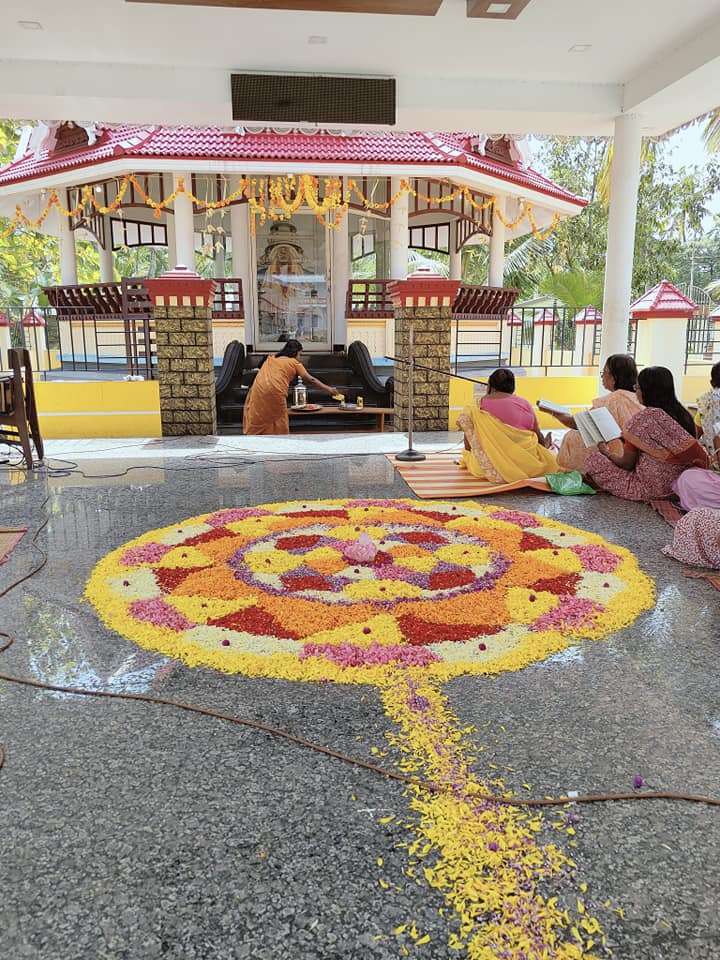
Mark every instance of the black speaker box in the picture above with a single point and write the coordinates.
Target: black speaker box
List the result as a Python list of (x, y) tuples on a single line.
[(282, 98)]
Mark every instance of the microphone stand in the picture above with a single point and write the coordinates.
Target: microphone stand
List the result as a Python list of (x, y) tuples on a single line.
[(410, 454)]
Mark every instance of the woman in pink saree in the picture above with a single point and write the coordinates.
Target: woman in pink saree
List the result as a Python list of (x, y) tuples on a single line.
[(658, 444)]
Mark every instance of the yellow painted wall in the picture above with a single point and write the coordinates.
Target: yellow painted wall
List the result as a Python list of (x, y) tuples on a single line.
[(98, 408), (694, 385), (71, 409)]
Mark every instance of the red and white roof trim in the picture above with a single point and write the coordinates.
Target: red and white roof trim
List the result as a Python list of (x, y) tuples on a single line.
[(215, 149)]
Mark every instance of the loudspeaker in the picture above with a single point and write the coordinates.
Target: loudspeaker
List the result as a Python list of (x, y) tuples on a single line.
[(282, 98)]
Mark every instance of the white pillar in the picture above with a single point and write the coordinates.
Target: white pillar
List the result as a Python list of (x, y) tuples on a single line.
[(184, 225), (496, 259), (4, 339), (241, 261), (105, 255), (624, 183), (66, 243), (219, 258), (455, 254), (399, 237), (340, 277)]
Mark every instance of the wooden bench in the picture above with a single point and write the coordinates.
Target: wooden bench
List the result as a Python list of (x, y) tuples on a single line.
[(334, 411), (18, 413)]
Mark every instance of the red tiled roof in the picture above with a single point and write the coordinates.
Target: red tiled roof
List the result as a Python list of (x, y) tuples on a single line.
[(588, 315), (193, 143), (664, 300), (545, 318)]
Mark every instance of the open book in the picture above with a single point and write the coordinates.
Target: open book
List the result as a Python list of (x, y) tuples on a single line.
[(553, 408), (596, 425)]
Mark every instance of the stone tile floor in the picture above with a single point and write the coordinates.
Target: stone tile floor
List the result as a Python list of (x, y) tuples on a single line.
[(133, 831)]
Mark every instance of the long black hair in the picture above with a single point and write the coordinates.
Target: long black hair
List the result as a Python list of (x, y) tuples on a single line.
[(715, 375), (623, 370), (658, 390), (291, 349)]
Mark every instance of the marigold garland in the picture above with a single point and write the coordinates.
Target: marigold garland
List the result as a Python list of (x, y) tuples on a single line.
[(275, 198), (454, 588)]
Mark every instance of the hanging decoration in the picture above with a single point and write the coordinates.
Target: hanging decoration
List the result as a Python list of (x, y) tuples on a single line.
[(277, 198)]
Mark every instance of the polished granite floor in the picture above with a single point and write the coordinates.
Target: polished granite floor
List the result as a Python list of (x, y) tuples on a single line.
[(135, 831)]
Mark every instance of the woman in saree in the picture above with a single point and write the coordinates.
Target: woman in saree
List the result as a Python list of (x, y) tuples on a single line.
[(708, 418), (658, 444), (619, 376), (266, 408), (503, 442)]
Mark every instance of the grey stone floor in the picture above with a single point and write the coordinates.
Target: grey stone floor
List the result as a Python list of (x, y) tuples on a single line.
[(133, 831)]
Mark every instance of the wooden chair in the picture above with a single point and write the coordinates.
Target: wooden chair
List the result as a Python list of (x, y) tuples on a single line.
[(18, 412)]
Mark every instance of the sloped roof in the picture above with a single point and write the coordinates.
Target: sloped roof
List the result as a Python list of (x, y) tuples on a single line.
[(136, 143), (663, 300), (588, 315)]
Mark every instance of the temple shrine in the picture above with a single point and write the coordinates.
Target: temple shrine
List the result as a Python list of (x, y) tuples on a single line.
[(303, 229)]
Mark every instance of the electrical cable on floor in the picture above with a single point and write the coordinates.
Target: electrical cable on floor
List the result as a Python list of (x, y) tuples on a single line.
[(309, 744)]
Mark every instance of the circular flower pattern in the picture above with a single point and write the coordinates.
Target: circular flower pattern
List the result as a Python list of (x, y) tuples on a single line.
[(297, 590)]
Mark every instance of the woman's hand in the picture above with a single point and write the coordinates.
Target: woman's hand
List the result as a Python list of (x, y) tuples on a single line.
[(604, 449)]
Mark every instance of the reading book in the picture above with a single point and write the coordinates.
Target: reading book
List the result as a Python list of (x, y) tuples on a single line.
[(596, 425), (553, 408)]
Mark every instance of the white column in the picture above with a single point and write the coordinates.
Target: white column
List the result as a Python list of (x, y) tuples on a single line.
[(105, 255), (184, 226), (219, 258), (455, 254), (496, 259), (241, 261), (340, 277), (66, 243), (172, 252), (624, 183), (399, 237)]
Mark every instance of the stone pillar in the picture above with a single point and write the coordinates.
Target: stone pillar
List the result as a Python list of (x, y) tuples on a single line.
[(107, 267), (241, 260), (425, 300), (455, 254), (624, 183), (340, 275), (399, 236), (496, 259), (66, 243), (184, 223), (183, 328)]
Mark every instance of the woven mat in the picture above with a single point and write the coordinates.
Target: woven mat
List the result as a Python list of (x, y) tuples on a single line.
[(438, 477), (8, 539)]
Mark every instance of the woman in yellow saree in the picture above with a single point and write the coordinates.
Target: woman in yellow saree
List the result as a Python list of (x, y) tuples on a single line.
[(506, 445)]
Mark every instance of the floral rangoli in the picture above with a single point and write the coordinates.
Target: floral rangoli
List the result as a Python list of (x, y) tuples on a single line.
[(278, 590), (402, 594)]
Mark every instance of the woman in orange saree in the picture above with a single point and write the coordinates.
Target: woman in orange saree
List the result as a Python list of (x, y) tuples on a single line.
[(619, 376), (266, 410), (658, 444)]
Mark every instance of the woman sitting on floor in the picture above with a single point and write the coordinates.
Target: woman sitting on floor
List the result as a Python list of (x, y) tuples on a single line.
[(619, 375), (696, 539), (658, 444), (708, 418), (503, 442)]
